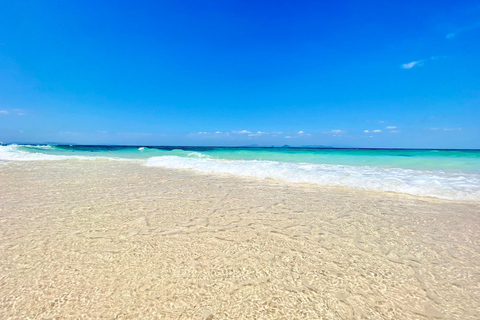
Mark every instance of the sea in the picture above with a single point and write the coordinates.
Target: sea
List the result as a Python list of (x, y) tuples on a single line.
[(443, 174)]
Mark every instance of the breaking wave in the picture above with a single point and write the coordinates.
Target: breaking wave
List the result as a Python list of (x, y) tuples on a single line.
[(440, 184)]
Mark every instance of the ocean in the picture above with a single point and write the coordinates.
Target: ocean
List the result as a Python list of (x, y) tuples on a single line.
[(444, 174)]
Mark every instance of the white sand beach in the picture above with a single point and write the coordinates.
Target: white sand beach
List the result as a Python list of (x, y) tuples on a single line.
[(116, 240)]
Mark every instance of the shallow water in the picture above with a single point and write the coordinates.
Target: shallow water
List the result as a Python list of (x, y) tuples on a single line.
[(114, 239), (446, 174)]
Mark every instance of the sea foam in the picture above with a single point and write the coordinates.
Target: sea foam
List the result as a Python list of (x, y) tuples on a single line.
[(440, 184), (13, 153), (444, 184)]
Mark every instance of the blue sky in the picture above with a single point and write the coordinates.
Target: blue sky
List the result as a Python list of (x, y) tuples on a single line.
[(337, 73)]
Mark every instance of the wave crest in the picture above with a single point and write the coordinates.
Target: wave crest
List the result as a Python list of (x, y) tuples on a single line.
[(440, 184)]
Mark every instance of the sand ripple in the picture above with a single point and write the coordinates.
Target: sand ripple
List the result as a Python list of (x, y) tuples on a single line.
[(103, 240)]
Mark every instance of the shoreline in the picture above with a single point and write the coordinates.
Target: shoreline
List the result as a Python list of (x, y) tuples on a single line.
[(106, 239)]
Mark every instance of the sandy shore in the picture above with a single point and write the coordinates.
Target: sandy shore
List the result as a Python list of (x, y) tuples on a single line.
[(113, 240)]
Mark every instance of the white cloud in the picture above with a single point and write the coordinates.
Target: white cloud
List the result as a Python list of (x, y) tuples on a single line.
[(17, 112), (336, 131), (377, 131), (452, 129), (420, 63), (290, 135), (465, 28), (391, 127), (366, 131), (446, 129), (412, 64), (259, 133)]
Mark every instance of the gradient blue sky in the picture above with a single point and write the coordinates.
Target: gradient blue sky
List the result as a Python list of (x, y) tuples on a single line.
[(338, 73)]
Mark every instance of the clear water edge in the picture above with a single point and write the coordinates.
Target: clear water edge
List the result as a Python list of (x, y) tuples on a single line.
[(446, 174)]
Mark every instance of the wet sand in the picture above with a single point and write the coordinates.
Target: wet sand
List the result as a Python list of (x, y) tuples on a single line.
[(112, 240)]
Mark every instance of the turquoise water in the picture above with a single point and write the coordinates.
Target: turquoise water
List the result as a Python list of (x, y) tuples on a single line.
[(449, 174), (462, 160)]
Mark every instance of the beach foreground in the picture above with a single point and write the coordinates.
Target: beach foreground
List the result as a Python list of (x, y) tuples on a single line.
[(116, 240)]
